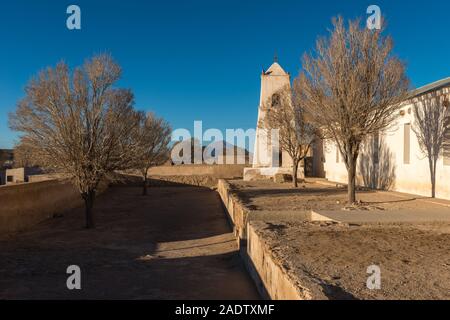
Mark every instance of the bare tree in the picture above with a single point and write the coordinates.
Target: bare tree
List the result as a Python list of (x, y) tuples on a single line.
[(80, 124), (430, 125), (25, 155), (152, 144), (296, 135), (353, 87)]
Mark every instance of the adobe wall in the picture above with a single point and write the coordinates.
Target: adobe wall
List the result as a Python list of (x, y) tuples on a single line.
[(218, 171), (392, 174), (18, 175), (194, 175), (271, 279), (237, 213), (43, 177), (24, 205)]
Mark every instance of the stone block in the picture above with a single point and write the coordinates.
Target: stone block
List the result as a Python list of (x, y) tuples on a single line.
[(282, 178)]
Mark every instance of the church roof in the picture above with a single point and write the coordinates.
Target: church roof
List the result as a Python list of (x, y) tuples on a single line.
[(431, 87), (275, 70)]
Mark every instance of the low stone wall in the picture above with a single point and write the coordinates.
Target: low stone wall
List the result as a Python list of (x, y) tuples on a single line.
[(179, 181), (189, 175), (226, 171), (44, 177), (240, 216), (271, 279), (237, 213), (24, 205)]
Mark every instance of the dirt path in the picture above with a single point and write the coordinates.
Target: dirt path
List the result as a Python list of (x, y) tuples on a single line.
[(173, 244)]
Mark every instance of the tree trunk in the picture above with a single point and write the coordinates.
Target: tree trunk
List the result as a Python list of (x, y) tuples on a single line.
[(351, 186), (433, 177), (89, 198), (294, 174), (144, 185)]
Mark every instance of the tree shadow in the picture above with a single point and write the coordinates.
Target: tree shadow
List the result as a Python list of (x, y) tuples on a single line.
[(377, 165), (130, 226)]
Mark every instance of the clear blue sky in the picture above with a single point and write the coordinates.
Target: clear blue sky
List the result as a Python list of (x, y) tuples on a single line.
[(201, 60)]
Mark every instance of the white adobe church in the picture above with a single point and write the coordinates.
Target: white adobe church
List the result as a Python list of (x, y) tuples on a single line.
[(390, 161), (268, 159)]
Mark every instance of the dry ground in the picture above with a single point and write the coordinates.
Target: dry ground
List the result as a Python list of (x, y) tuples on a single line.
[(332, 259), (267, 195), (174, 243)]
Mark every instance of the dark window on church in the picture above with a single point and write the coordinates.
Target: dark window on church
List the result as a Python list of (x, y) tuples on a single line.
[(406, 143), (276, 100)]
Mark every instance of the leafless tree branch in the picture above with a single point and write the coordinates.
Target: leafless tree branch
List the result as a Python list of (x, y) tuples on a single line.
[(352, 87), (431, 123), (80, 125)]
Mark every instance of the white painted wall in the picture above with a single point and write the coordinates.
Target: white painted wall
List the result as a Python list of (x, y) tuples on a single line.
[(411, 178)]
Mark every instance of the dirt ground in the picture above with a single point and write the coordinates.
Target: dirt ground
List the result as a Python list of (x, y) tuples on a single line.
[(332, 259), (267, 195), (174, 243)]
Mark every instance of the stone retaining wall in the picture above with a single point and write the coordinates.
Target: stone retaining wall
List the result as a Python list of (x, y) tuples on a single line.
[(208, 181), (240, 216), (24, 205), (237, 213), (271, 279), (190, 175), (225, 171)]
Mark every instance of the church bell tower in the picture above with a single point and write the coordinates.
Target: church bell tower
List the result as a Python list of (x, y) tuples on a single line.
[(267, 160)]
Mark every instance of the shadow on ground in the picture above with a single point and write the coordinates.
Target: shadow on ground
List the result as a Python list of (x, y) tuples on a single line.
[(174, 243)]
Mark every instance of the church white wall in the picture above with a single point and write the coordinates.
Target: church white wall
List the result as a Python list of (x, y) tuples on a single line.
[(411, 178), (334, 169)]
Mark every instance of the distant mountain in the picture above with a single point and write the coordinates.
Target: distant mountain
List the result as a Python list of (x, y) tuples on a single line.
[(241, 154)]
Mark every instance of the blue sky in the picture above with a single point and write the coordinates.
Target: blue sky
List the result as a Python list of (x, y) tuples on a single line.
[(201, 60)]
